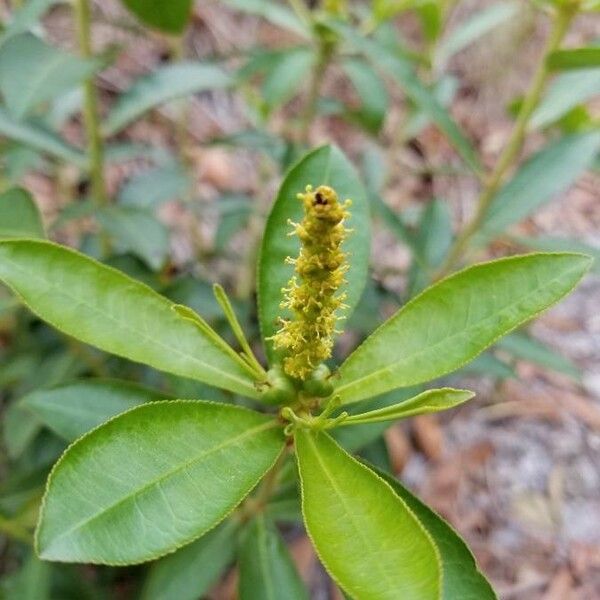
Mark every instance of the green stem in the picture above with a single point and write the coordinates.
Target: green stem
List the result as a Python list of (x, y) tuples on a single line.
[(325, 50), (562, 19), (90, 108)]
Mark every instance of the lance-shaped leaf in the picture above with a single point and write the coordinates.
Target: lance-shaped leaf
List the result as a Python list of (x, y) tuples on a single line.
[(19, 215), (73, 409), (454, 320), (430, 401), (190, 572), (460, 575), (366, 536), (103, 307), (266, 568), (163, 85), (152, 480), (170, 17), (325, 166)]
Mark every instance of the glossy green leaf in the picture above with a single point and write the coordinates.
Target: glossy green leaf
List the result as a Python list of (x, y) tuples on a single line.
[(103, 307), (189, 573), (287, 75), (137, 231), (163, 85), (543, 177), (32, 72), (371, 91), (460, 575), (154, 187), (575, 58), (170, 17), (403, 72), (73, 409), (566, 92), (365, 535), (19, 215), (431, 401), (19, 429), (37, 136), (152, 480), (524, 347), (272, 12), (329, 166), (266, 568), (478, 25), (454, 320)]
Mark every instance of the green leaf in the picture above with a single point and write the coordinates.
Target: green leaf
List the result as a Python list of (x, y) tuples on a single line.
[(556, 244), (488, 365), (430, 401), (329, 166), (266, 568), (272, 12), (73, 409), (564, 94), (19, 215), (371, 91), (38, 137), (402, 71), (31, 582), (576, 58), (170, 17), (522, 346), (163, 85), (152, 480), (460, 575), (152, 188), (431, 244), (366, 536), (357, 437), (32, 72), (26, 17), (191, 571), (103, 307), (137, 231), (543, 177), (475, 28), (287, 75), (19, 429), (451, 322)]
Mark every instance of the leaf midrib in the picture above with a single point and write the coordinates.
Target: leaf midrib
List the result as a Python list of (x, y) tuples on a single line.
[(142, 335), (462, 332), (158, 480)]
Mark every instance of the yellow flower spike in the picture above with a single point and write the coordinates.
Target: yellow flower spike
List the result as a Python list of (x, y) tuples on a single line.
[(312, 294)]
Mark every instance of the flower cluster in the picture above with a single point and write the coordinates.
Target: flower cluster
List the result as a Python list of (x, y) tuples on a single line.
[(307, 338)]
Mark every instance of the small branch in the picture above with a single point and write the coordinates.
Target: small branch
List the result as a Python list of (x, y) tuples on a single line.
[(90, 109), (562, 19)]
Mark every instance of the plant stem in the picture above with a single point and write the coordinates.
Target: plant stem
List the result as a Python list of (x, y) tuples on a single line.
[(90, 108), (324, 54), (562, 19)]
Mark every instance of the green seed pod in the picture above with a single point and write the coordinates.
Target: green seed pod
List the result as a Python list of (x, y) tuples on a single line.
[(318, 383)]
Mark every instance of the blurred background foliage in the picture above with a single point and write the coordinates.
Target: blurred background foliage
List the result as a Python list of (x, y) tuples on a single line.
[(153, 136)]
